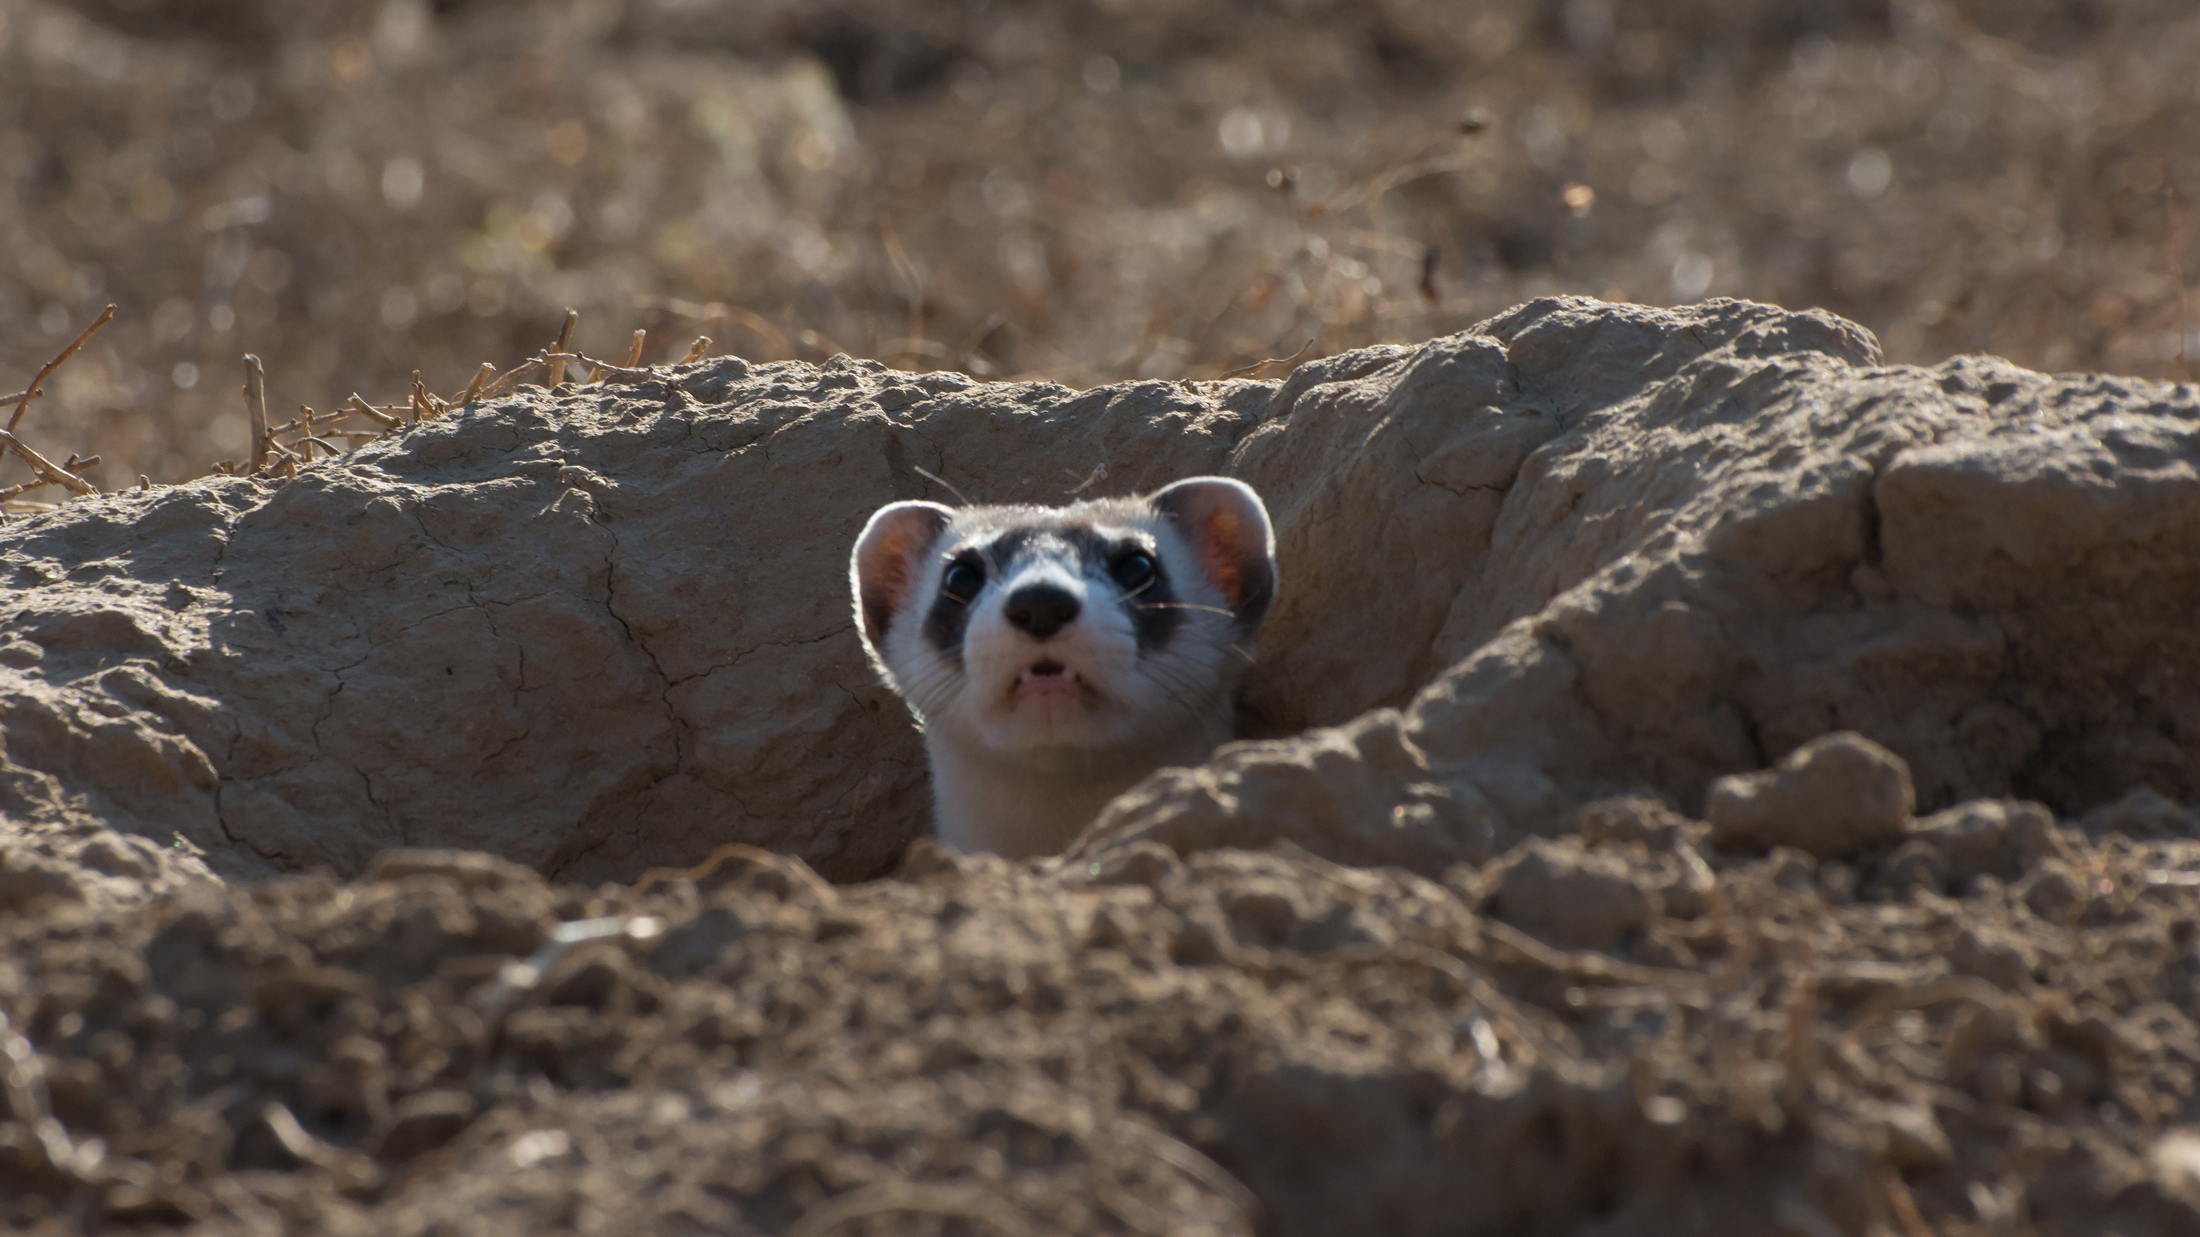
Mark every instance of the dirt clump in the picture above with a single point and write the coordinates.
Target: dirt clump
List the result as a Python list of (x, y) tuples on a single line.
[(1830, 797)]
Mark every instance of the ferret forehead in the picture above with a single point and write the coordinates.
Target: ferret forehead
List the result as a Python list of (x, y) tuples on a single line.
[(1087, 530)]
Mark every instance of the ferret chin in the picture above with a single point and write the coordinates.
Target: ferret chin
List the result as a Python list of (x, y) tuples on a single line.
[(1055, 656)]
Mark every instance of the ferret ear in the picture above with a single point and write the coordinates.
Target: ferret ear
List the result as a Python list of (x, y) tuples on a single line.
[(889, 561), (1227, 527)]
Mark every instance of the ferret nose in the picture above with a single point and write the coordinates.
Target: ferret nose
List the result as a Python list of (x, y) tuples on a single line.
[(1039, 610)]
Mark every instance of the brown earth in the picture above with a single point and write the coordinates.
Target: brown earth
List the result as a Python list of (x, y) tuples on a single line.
[(1590, 911), (1084, 190)]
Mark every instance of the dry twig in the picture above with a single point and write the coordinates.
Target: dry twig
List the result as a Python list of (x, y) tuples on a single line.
[(1257, 366), (22, 402), (565, 340), (482, 376), (513, 375), (49, 472), (255, 406), (600, 369), (37, 386), (365, 409)]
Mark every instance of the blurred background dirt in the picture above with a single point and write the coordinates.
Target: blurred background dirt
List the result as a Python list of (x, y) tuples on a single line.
[(1082, 189)]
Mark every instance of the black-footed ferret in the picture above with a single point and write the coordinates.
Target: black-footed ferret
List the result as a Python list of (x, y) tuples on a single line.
[(1054, 656)]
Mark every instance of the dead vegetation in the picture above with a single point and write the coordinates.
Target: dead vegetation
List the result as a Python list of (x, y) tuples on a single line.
[(381, 198)]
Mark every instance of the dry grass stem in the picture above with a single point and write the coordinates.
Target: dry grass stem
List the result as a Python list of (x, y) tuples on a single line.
[(38, 384), (1404, 172), (365, 409), (1248, 371), (513, 375), (565, 341), (905, 270), (1903, 1204), (761, 327), (634, 354), (255, 404), (696, 350), (482, 376), (600, 369), (48, 471)]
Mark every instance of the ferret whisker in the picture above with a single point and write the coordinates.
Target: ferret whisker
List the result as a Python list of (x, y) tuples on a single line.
[(929, 475), (1183, 605), (1171, 681), (919, 690)]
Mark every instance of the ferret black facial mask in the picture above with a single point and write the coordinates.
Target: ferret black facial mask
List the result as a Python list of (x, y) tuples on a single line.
[(1054, 656)]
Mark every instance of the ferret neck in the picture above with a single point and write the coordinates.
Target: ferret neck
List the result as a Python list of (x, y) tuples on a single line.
[(1016, 805)]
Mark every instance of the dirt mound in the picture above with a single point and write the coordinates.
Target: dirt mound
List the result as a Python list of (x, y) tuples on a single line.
[(599, 629), (1564, 923), (1639, 555), (1623, 1036)]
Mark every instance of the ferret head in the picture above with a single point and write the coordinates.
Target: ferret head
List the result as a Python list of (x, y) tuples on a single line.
[(1041, 632)]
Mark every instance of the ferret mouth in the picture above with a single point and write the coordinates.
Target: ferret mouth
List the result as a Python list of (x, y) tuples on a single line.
[(1049, 679)]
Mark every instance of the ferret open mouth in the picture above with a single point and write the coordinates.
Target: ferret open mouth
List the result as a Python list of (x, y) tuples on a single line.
[(1048, 679)]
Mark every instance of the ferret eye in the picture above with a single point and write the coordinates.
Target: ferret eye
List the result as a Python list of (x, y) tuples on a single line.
[(962, 581), (1134, 570)]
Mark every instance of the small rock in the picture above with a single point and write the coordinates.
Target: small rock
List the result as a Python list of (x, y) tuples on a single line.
[(2054, 893), (1137, 863), (1572, 896), (1995, 955), (1632, 818), (1831, 797), (1916, 865), (27, 876), (2142, 813), (115, 857), (1990, 837)]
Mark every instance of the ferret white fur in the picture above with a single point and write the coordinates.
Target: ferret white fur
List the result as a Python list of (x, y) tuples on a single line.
[(1055, 656)]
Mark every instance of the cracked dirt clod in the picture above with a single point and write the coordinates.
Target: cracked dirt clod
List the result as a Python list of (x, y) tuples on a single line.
[(1572, 896), (1579, 551)]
